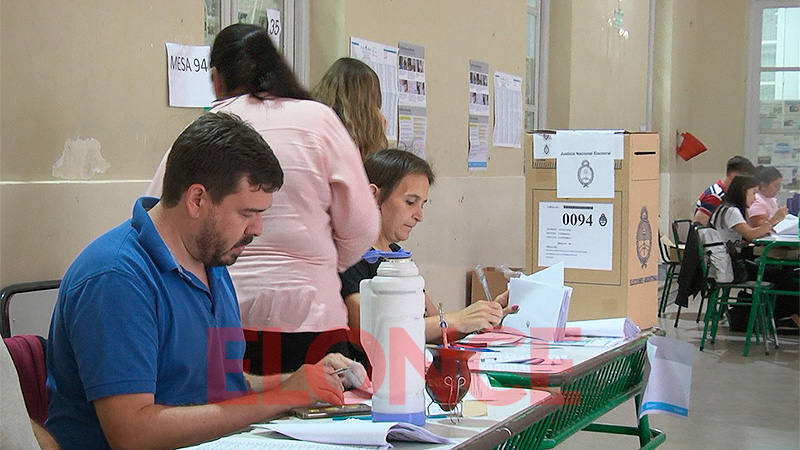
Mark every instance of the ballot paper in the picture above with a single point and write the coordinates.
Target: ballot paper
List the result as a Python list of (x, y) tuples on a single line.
[(255, 442), (621, 327), (787, 226), (669, 377), (495, 338), (353, 432), (543, 304)]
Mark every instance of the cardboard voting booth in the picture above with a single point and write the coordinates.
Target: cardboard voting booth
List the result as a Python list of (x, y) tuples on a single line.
[(608, 240)]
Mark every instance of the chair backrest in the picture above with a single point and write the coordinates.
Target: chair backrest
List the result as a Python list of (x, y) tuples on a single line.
[(28, 353), (714, 257), (680, 233), (663, 249), (27, 308)]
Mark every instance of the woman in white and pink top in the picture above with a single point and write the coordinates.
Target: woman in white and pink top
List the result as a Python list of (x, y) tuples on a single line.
[(321, 221), (765, 205)]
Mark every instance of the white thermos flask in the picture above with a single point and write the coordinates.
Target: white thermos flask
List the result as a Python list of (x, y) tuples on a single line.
[(393, 336)]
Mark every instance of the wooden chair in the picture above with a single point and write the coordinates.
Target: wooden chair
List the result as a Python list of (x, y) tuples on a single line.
[(719, 299)]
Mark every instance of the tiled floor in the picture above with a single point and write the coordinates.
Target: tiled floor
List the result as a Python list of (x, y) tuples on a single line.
[(737, 402)]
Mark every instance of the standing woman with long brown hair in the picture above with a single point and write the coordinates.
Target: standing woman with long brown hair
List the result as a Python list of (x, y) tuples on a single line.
[(321, 220), (352, 89)]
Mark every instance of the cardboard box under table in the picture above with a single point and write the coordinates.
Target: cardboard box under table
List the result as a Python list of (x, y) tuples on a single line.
[(629, 286)]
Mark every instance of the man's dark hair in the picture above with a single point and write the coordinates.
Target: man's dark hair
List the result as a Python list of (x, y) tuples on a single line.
[(247, 60), (387, 168), (740, 165), (217, 150)]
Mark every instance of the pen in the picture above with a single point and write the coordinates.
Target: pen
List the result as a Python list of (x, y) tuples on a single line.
[(338, 371), (482, 279), (473, 349)]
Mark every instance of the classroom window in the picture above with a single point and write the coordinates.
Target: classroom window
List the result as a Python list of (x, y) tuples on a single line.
[(533, 78), (773, 109), (221, 13)]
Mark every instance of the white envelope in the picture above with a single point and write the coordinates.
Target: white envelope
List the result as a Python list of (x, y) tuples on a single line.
[(542, 310)]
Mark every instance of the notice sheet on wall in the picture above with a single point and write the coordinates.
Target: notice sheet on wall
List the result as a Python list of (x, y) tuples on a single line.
[(412, 116), (478, 142), (383, 60), (578, 234), (478, 115), (411, 75), (584, 164), (478, 88), (189, 76), (507, 110), (412, 129)]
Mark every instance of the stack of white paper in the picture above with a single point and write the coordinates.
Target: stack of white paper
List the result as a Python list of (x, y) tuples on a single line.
[(619, 327), (353, 431), (787, 226), (543, 304)]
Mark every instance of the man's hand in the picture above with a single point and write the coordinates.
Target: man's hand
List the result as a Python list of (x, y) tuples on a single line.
[(313, 384), (355, 377)]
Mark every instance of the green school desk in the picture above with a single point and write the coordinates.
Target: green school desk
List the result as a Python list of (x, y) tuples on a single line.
[(563, 401)]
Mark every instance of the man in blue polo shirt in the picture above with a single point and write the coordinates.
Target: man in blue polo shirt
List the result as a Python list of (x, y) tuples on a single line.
[(145, 342)]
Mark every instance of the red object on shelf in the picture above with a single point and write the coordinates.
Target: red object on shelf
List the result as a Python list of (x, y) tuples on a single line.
[(690, 146)]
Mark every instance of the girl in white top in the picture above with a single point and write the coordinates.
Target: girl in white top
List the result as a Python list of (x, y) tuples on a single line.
[(765, 205), (730, 218)]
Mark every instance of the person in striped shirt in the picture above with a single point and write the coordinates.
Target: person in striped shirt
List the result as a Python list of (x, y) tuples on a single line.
[(714, 194)]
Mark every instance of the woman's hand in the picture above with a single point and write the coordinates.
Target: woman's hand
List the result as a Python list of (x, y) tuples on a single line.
[(480, 315), (779, 215), (502, 299)]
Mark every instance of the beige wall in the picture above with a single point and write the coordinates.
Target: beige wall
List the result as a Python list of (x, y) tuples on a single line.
[(700, 82), (473, 217), (100, 73), (597, 79), (90, 69)]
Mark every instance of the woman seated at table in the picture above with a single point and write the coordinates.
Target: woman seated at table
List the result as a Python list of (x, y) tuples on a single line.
[(400, 180), (730, 219), (765, 205)]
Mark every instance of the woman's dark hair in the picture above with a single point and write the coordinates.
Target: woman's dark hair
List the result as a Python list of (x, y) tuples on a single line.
[(387, 168), (767, 174), (736, 194), (246, 59), (217, 150)]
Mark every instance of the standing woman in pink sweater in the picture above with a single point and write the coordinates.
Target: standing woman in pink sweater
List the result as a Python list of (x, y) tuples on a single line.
[(321, 221)]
